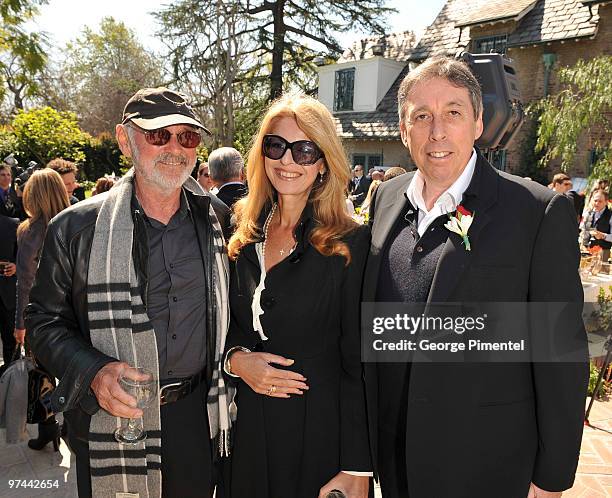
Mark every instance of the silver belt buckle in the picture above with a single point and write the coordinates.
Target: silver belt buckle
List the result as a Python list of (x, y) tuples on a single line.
[(162, 392)]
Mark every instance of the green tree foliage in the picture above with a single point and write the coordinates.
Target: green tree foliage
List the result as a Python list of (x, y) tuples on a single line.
[(101, 71), (251, 50), (22, 54), (102, 156), (44, 134), (8, 142), (584, 105)]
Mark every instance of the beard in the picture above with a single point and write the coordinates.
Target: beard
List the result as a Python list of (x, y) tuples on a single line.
[(166, 171)]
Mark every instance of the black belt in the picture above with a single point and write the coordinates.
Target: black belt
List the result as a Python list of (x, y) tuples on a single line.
[(172, 390)]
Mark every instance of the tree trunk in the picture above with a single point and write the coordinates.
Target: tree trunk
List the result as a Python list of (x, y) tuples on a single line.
[(18, 101), (276, 77)]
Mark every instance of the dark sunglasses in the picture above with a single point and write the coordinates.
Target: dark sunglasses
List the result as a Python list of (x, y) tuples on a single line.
[(201, 173), (189, 139), (304, 152)]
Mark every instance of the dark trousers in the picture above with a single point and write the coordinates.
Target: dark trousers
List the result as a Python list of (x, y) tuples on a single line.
[(7, 327), (187, 468), (393, 383)]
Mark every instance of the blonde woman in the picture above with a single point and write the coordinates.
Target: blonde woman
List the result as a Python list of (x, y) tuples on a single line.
[(365, 207), (294, 295), (44, 196)]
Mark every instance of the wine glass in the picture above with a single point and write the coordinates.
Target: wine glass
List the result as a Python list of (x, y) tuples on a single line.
[(141, 384)]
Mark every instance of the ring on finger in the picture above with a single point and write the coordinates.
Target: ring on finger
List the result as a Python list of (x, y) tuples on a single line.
[(271, 391)]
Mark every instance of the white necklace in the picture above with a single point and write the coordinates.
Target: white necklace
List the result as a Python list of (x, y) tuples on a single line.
[(267, 226)]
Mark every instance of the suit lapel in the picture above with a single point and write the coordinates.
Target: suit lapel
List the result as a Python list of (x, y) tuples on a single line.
[(390, 213), (479, 198), (389, 210)]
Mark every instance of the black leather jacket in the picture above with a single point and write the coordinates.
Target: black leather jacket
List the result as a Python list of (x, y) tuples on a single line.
[(56, 318)]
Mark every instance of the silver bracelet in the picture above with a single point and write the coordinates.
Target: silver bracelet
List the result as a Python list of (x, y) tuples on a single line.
[(227, 366)]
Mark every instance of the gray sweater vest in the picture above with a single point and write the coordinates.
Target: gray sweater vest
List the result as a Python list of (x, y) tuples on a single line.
[(409, 261)]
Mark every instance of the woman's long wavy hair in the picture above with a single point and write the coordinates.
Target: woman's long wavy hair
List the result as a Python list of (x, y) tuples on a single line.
[(44, 196), (328, 199)]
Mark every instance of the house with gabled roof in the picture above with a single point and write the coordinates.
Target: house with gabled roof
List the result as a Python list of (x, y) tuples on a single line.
[(361, 90), (539, 35)]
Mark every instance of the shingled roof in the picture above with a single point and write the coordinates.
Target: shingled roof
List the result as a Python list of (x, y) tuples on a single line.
[(497, 10), (562, 20), (548, 20), (381, 124), (536, 21), (395, 45)]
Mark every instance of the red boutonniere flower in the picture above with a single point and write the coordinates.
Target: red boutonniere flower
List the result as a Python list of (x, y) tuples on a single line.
[(464, 212), (460, 223)]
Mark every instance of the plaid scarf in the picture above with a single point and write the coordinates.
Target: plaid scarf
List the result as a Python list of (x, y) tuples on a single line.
[(120, 327)]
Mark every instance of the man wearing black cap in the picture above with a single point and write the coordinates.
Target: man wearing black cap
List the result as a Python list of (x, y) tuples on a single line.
[(137, 277)]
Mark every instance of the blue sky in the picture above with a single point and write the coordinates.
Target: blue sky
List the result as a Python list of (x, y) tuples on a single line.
[(63, 20)]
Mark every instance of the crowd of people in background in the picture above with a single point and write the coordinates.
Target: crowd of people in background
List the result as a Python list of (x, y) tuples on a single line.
[(592, 212)]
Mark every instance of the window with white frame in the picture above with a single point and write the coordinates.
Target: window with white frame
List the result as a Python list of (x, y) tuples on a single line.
[(344, 90)]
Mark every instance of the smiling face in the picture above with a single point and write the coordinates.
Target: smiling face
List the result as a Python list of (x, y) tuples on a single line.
[(164, 167), (439, 129), (287, 177)]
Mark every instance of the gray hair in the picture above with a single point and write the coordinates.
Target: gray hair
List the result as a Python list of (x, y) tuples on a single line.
[(456, 72), (225, 164), (131, 135)]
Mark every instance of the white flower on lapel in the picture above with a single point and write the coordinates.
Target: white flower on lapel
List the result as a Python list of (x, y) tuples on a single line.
[(460, 223)]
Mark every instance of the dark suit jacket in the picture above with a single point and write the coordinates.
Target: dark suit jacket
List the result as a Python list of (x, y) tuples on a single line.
[(603, 224), (12, 206), (360, 191), (487, 430), (231, 193), (8, 252)]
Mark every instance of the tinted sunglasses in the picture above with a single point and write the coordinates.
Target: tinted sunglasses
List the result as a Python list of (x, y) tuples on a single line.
[(189, 139), (304, 152), (201, 173)]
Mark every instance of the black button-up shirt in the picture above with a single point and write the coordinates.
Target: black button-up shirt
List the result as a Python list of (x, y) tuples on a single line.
[(176, 296)]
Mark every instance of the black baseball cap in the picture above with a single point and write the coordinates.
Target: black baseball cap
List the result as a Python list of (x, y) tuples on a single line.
[(153, 108)]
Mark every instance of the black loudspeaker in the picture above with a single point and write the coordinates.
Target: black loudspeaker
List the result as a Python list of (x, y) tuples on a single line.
[(503, 112)]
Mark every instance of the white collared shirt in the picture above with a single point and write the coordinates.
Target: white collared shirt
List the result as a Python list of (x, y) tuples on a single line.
[(446, 203), (597, 215)]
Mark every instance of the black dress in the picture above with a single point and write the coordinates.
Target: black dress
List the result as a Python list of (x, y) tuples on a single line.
[(292, 447)]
